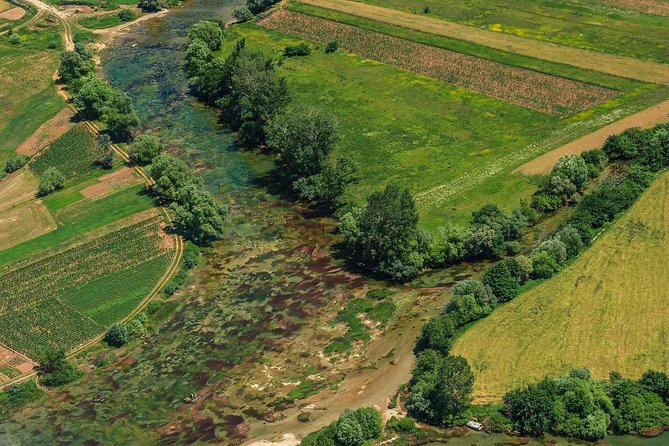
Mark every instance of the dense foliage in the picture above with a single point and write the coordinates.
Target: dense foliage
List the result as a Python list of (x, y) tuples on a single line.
[(15, 162), (75, 65), (17, 395), (353, 428), (51, 180), (144, 149), (102, 153), (579, 406), (196, 214), (54, 370), (119, 334)]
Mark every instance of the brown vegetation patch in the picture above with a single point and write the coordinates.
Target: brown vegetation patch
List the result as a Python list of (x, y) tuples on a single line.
[(24, 222), (13, 14), (648, 6), (71, 9), (47, 133), (527, 88), (109, 183), (17, 188)]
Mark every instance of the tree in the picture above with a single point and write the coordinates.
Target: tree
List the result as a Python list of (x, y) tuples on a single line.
[(171, 175), (209, 32), (117, 336), (436, 335), (636, 408), (303, 137), (656, 382), (144, 149), (54, 370), (327, 187), (126, 15), (16, 162), (503, 284), (571, 239), (119, 116), (386, 241), (198, 216), (242, 14), (75, 65), (573, 167), (452, 393), (50, 180), (543, 265), (532, 409), (349, 431), (103, 154), (92, 97)]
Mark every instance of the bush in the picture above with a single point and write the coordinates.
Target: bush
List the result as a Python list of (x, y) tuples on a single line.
[(52, 44), (543, 265), (242, 14), (209, 32), (117, 336), (52, 179), (54, 370), (14, 39), (126, 15), (15, 163), (503, 284), (406, 425), (332, 47), (301, 49), (436, 335)]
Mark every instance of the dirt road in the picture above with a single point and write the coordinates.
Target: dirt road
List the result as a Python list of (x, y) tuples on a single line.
[(645, 119), (68, 43), (627, 67)]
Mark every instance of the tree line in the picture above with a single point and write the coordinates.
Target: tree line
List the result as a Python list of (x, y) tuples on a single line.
[(255, 101), (432, 400)]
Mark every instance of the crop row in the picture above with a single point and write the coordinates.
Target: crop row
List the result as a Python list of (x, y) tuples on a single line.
[(83, 263), (71, 153), (49, 324), (527, 88)]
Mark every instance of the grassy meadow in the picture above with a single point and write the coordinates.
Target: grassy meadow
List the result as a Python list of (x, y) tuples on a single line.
[(596, 25), (29, 97), (607, 311), (454, 148)]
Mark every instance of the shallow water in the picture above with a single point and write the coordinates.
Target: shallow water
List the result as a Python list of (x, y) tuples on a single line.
[(148, 63)]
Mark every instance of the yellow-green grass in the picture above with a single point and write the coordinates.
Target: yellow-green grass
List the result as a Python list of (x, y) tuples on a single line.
[(17, 188), (452, 147), (4, 5), (593, 25), (606, 311), (28, 96)]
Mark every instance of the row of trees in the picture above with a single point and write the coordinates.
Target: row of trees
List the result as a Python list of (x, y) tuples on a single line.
[(578, 406), (255, 101), (251, 8)]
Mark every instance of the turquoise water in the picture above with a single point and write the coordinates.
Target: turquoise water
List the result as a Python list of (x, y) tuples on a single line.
[(148, 63)]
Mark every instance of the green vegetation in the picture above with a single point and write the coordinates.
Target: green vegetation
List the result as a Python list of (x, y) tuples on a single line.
[(71, 154), (50, 180), (108, 20), (15, 163), (578, 406), (54, 370), (353, 428), (18, 395), (144, 149)]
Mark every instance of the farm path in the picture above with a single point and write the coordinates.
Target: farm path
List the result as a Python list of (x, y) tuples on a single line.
[(627, 67), (647, 118), (68, 42)]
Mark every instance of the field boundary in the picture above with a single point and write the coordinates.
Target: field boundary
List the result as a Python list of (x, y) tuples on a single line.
[(616, 65)]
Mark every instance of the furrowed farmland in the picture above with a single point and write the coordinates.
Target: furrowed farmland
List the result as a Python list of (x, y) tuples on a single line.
[(531, 89)]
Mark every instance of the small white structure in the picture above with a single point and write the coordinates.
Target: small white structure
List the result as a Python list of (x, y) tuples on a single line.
[(474, 425)]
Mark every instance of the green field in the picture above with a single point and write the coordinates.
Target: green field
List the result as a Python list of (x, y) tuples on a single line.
[(97, 282), (590, 25), (70, 153), (454, 148), (103, 21), (607, 311), (28, 95)]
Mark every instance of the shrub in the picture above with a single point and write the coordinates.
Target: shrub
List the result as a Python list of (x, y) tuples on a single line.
[(209, 32), (242, 14), (52, 44), (436, 335), (15, 163), (332, 47), (502, 283), (126, 15), (54, 370), (14, 39), (52, 179), (379, 293), (543, 265), (301, 49), (135, 329), (406, 425)]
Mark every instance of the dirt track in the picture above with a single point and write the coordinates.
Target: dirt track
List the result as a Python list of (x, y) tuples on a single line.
[(605, 63), (68, 43), (645, 119)]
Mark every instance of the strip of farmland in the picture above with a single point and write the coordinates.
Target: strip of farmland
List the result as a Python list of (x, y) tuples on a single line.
[(648, 6), (527, 88)]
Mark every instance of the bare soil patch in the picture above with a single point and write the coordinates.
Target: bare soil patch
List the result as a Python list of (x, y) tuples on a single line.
[(17, 188), (111, 183), (24, 222), (527, 88), (47, 133), (645, 119), (73, 9), (13, 14), (648, 6), (13, 364), (605, 63)]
